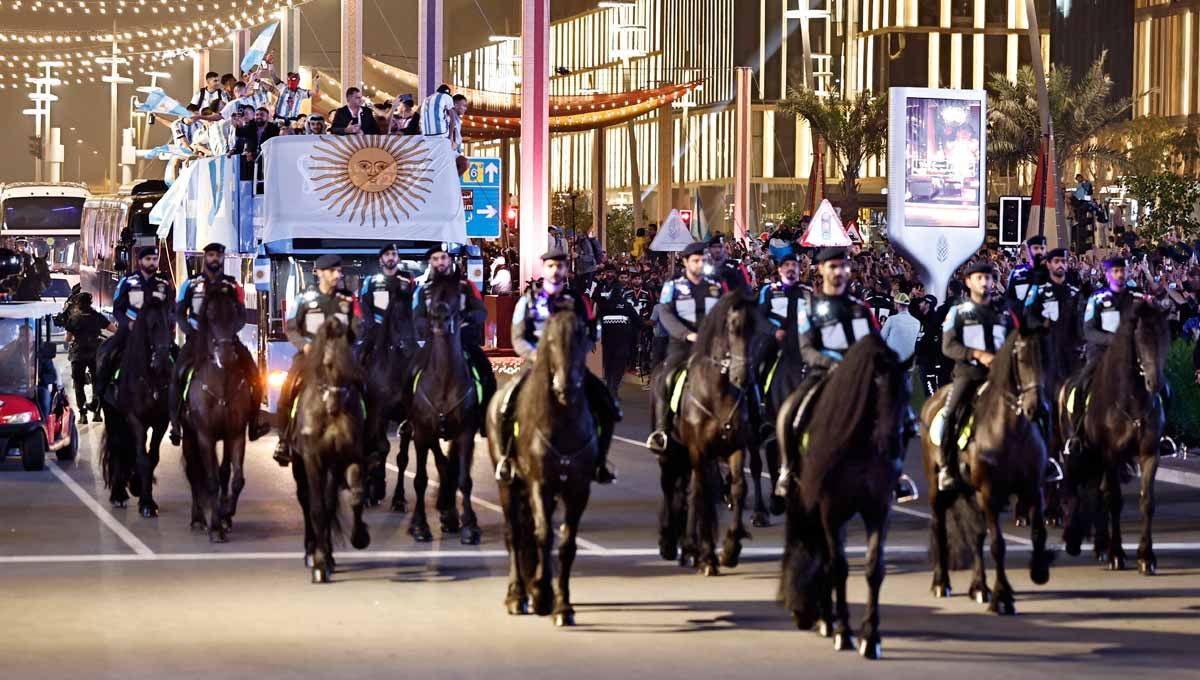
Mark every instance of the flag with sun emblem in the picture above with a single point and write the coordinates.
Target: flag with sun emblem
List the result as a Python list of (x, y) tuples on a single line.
[(362, 186)]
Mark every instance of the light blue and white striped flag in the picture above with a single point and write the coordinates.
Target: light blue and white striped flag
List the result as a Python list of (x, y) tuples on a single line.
[(258, 48), (165, 152), (159, 102)]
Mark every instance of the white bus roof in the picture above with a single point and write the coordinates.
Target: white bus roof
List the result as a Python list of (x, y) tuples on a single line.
[(28, 189), (28, 310)]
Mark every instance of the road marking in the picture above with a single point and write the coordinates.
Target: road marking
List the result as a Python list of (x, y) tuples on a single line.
[(582, 542), (1176, 476), (135, 544), (456, 555)]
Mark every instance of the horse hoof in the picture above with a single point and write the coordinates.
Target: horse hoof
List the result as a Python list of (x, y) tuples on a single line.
[(1147, 567), (668, 551), (564, 619), (825, 629), (227, 524), (451, 527), (1101, 557), (1073, 549), (778, 505), (1116, 563), (469, 536), (420, 534), (843, 641), (759, 519), (709, 570), (149, 510), (981, 595), (398, 505), (320, 575), (870, 650), (1021, 522), (361, 539), (308, 560), (198, 526), (517, 607), (1003, 607), (217, 536), (941, 592)]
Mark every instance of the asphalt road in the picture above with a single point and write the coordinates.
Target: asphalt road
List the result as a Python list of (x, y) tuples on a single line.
[(91, 592)]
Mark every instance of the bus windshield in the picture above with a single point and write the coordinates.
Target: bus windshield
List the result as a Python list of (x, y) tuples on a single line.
[(39, 213)]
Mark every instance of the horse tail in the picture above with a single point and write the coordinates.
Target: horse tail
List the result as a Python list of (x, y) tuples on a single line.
[(965, 527), (804, 576)]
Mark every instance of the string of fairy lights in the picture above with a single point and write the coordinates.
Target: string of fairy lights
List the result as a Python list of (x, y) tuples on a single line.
[(143, 47), (114, 7)]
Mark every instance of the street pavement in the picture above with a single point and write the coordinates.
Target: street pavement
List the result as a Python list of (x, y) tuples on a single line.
[(87, 591)]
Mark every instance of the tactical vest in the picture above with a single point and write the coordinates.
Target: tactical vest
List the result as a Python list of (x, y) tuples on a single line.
[(838, 321), (1019, 281), (540, 307), (380, 288), (139, 288), (691, 302), (196, 289), (979, 327), (1104, 308), (787, 304), (1057, 300), (316, 307)]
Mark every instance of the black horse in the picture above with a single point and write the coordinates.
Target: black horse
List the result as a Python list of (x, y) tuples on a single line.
[(1122, 428), (134, 404), (554, 454), (328, 445), (218, 406), (447, 404), (781, 376), (713, 425), (1006, 456), (389, 359), (847, 463)]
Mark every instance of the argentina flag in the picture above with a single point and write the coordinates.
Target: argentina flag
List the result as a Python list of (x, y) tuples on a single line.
[(159, 102), (258, 48)]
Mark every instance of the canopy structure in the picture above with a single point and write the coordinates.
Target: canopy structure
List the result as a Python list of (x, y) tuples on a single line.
[(496, 115)]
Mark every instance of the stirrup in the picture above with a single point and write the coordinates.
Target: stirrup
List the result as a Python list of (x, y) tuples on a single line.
[(504, 471), (785, 479), (946, 480), (1170, 442), (282, 454), (1071, 445), (1054, 471), (906, 489), (657, 441)]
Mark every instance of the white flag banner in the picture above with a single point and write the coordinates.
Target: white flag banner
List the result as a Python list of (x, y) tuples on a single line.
[(673, 236), (168, 208), (362, 187), (258, 49)]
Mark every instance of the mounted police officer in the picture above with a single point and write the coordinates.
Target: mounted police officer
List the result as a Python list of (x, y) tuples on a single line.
[(84, 324), (1026, 275), (971, 335), (783, 304), (187, 315), (532, 311), (683, 304), (725, 269), (328, 299), (132, 293), (389, 287), (474, 315), (1060, 300)]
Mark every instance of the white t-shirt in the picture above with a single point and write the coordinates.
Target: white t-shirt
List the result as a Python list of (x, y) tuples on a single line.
[(203, 98)]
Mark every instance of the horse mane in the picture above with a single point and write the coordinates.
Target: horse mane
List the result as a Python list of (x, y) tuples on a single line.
[(224, 292), (1113, 372), (1002, 373), (844, 406), (712, 327), (344, 370)]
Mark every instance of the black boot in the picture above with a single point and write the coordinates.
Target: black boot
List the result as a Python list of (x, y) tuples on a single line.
[(659, 439), (504, 466), (282, 454)]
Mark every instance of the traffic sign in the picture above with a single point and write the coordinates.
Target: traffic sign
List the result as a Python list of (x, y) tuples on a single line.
[(481, 197)]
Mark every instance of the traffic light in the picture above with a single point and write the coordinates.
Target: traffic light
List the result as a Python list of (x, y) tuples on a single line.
[(686, 216), (35, 146), (510, 215)]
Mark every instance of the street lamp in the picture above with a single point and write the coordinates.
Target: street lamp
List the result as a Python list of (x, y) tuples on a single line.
[(41, 113), (114, 79)]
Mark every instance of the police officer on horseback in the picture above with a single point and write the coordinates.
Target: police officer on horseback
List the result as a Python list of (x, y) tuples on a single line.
[(328, 299), (783, 303), (971, 335), (683, 304), (133, 292), (1059, 300), (726, 269), (379, 292), (187, 315), (532, 311), (474, 315), (1024, 276)]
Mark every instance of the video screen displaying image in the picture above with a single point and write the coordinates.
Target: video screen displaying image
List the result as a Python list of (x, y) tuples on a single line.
[(943, 178)]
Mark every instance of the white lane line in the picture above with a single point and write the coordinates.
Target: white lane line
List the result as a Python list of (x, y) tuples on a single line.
[(1176, 476), (466, 555), (135, 544), (484, 503)]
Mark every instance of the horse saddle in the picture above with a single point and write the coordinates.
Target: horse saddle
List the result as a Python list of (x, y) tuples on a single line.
[(800, 420), (965, 419)]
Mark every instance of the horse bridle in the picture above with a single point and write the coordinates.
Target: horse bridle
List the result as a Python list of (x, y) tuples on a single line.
[(724, 365)]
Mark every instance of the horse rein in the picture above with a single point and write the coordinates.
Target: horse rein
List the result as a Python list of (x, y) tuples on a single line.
[(724, 365)]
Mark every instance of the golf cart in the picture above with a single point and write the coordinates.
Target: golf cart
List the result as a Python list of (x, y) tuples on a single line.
[(35, 416)]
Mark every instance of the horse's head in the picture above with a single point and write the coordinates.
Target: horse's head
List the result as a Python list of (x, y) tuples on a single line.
[(726, 335), (444, 297), (1151, 340), (158, 333), (1028, 366), (892, 393), (221, 319), (563, 348)]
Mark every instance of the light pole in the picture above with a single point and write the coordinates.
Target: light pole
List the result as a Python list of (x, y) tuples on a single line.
[(114, 78), (42, 97)]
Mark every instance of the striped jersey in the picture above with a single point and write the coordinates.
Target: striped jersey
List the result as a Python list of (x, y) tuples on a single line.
[(256, 99), (204, 98), (437, 113), (287, 106)]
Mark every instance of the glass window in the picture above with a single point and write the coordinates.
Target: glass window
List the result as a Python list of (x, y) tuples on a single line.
[(16, 356), (42, 212)]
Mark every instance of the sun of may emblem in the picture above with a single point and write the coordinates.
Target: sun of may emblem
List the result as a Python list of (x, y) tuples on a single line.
[(380, 180)]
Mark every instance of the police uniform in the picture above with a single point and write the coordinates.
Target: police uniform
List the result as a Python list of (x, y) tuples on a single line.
[(782, 306), (1023, 277), (85, 325), (731, 273), (620, 325), (532, 311), (376, 297), (1101, 318), (642, 301), (132, 294), (830, 325)]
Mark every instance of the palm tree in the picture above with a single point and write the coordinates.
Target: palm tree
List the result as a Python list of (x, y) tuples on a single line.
[(853, 128), (1079, 110)]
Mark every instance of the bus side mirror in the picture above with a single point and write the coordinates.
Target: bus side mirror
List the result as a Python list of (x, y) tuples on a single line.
[(121, 258)]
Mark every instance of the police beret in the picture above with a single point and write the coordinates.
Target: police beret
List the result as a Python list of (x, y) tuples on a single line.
[(931, 299), (146, 251), (827, 254), (329, 261), (442, 247), (790, 257), (389, 247), (690, 249), (1038, 240), (554, 254), (1114, 261), (716, 239), (1057, 252), (981, 267), (215, 248)]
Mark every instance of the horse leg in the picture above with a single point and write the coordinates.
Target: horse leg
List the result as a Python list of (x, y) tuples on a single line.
[(839, 571), (940, 544), (319, 517), (375, 479), (759, 518), (1113, 502), (542, 502), (463, 453), (979, 590), (418, 527), (770, 450), (300, 474), (399, 504), (511, 502), (731, 551), (706, 484), (574, 504), (332, 484), (870, 644), (145, 473), (1039, 564), (235, 457), (1147, 562), (215, 476), (1002, 592), (668, 522), (447, 467), (360, 538)]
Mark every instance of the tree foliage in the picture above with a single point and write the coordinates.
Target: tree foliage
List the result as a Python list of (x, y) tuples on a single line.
[(1166, 202), (1154, 145)]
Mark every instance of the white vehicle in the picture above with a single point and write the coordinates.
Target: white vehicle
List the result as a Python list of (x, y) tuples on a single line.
[(49, 215)]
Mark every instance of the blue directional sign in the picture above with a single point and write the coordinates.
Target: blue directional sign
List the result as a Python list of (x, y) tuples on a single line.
[(481, 197)]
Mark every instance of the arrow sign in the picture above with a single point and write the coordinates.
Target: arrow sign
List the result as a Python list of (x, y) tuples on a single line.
[(492, 173), (482, 198), (489, 211)]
